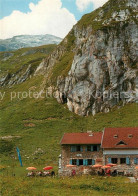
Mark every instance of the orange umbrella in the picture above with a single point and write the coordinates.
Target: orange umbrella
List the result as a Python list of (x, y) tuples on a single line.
[(30, 168), (105, 167), (70, 165), (97, 166), (136, 167), (111, 164)]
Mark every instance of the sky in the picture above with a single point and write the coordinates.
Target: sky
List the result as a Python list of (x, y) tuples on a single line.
[(35, 17)]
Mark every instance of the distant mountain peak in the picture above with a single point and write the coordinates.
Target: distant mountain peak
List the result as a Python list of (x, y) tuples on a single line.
[(24, 41)]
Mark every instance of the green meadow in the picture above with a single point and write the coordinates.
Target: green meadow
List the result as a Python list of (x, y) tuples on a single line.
[(83, 185)]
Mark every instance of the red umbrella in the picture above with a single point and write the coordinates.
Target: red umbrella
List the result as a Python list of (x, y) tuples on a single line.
[(48, 168), (111, 164), (97, 166), (70, 165), (105, 167), (30, 168)]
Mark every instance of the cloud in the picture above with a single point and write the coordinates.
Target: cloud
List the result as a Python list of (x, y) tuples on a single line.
[(46, 17), (83, 4)]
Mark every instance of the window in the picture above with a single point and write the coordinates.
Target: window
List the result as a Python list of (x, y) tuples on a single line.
[(73, 148), (78, 148), (94, 148), (130, 136), (114, 160), (121, 143), (122, 160), (80, 161), (88, 148), (74, 161), (89, 161), (115, 136)]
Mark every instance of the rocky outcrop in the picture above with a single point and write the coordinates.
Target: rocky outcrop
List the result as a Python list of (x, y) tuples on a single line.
[(104, 70), (47, 64), (18, 66), (16, 78)]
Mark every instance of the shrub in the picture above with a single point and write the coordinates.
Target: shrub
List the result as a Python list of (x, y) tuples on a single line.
[(6, 146)]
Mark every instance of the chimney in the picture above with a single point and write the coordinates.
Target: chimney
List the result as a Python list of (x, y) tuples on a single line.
[(90, 133)]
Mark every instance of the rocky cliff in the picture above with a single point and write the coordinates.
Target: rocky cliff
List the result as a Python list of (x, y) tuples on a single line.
[(95, 67)]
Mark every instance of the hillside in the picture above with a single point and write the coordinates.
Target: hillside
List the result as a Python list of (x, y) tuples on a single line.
[(17, 66), (37, 125), (31, 118), (25, 41), (95, 66)]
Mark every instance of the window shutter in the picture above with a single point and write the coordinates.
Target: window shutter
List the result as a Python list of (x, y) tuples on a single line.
[(109, 160), (93, 162), (98, 148), (78, 162), (73, 148), (86, 161), (70, 162), (135, 161), (92, 148), (81, 148), (127, 161), (86, 149)]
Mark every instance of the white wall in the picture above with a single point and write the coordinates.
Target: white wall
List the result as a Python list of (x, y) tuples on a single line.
[(120, 152)]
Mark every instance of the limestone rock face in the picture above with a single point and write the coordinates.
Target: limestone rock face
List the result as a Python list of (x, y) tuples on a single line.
[(19, 77), (104, 71)]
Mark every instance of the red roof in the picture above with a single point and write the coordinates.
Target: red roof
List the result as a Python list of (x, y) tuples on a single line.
[(120, 138), (82, 138)]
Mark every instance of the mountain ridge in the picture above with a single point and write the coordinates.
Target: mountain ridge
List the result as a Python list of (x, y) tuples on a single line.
[(25, 41)]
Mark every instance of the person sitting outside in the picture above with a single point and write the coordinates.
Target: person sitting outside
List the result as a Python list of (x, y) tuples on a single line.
[(29, 174), (46, 173), (53, 174), (108, 172), (32, 173), (114, 173), (103, 172), (73, 172)]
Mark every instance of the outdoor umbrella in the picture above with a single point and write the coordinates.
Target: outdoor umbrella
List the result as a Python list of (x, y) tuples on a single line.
[(136, 167), (70, 165), (48, 168), (30, 168), (111, 164), (97, 166), (105, 167)]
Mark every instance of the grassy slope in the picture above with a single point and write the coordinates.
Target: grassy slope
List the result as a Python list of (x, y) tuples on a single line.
[(49, 120), (24, 57), (108, 8), (86, 185), (40, 123)]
